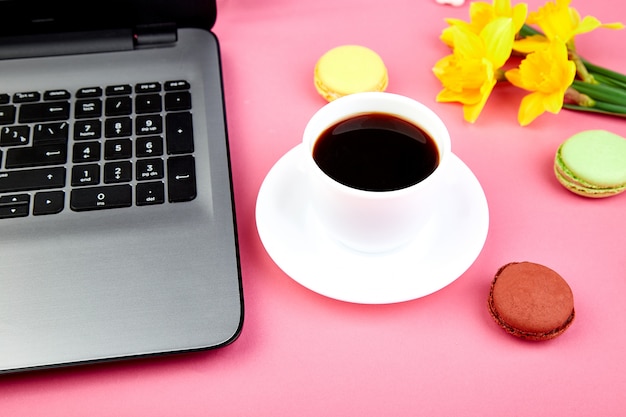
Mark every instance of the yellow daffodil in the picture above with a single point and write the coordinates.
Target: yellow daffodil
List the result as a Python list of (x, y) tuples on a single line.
[(469, 74), (482, 13), (557, 20), (547, 73)]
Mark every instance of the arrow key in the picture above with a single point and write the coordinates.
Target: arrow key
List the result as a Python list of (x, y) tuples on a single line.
[(49, 202), (17, 205)]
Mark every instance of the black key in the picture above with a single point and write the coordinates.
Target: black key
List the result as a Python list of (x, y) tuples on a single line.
[(120, 171), (179, 133), (14, 135), (91, 107), (176, 85), (32, 179), (116, 90), (86, 152), (118, 106), (89, 92), (44, 112), (118, 149), (148, 103), (48, 202), (148, 193), (14, 206), (179, 100), (97, 198), (118, 127), (56, 95), (149, 124), (87, 129), (7, 114), (149, 169), (86, 174), (181, 178), (52, 154), (148, 146), (26, 97), (5, 98), (153, 87), (50, 132)]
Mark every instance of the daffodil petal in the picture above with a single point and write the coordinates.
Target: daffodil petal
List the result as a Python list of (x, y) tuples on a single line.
[(553, 102), (472, 111), (531, 107), (498, 37), (530, 44), (520, 11)]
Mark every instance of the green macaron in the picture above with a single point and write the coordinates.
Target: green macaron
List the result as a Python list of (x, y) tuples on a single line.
[(592, 163)]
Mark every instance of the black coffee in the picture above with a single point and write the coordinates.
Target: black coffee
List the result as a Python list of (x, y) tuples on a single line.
[(376, 152)]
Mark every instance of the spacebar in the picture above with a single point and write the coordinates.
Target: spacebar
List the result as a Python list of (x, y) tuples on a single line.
[(97, 198)]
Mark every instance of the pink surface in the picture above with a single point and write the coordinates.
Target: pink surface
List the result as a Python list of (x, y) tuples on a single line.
[(301, 354)]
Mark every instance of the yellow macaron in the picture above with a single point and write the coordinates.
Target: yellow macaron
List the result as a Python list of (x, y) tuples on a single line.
[(349, 69)]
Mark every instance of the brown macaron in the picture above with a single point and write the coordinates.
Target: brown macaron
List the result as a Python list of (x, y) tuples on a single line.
[(531, 301)]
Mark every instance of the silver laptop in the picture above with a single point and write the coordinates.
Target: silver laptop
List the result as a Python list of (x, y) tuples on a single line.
[(117, 229)]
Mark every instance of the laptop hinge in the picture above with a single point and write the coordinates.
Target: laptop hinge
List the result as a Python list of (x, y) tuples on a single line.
[(155, 34)]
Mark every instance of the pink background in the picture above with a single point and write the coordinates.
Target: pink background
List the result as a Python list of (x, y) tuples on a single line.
[(301, 354)]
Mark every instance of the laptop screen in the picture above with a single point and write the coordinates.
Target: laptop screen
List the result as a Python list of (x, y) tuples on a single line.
[(28, 17)]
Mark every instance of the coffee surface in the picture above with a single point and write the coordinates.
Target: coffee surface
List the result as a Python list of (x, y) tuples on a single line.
[(376, 152)]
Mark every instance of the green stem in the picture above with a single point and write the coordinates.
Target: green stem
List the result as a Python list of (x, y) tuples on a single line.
[(581, 69), (601, 92), (598, 108), (603, 79), (620, 78)]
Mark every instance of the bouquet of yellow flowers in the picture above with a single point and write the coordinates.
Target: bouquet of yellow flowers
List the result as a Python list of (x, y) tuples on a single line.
[(550, 68)]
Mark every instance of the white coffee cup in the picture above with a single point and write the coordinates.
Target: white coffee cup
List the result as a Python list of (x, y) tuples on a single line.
[(366, 220)]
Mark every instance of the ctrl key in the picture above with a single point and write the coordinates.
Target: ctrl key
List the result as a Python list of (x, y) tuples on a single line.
[(17, 205)]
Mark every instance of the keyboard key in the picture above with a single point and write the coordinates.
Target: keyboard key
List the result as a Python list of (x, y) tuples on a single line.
[(181, 178), (87, 129), (87, 108), (86, 152), (118, 127), (118, 106), (52, 154), (32, 179), (146, 146), (87, 174), (153, 87), (14, 206), (50, 132), (179, 133), (118, 149), (89, 92), (176, 85), (149, 169), (56, 95), (116, 90), (119, 171), (148, 193), (26, 97), (149, 124), (48, 202), (7, 115), (179, 100), (148, 103), (104, 197), (15, 135), (44, 112)]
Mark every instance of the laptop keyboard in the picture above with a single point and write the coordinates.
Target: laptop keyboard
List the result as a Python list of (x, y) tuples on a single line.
[(96, 148)]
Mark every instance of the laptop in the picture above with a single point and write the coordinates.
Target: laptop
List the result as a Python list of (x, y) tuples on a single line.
[(117, 226)]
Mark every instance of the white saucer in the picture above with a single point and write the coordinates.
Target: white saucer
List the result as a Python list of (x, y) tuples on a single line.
[(439, 255)]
